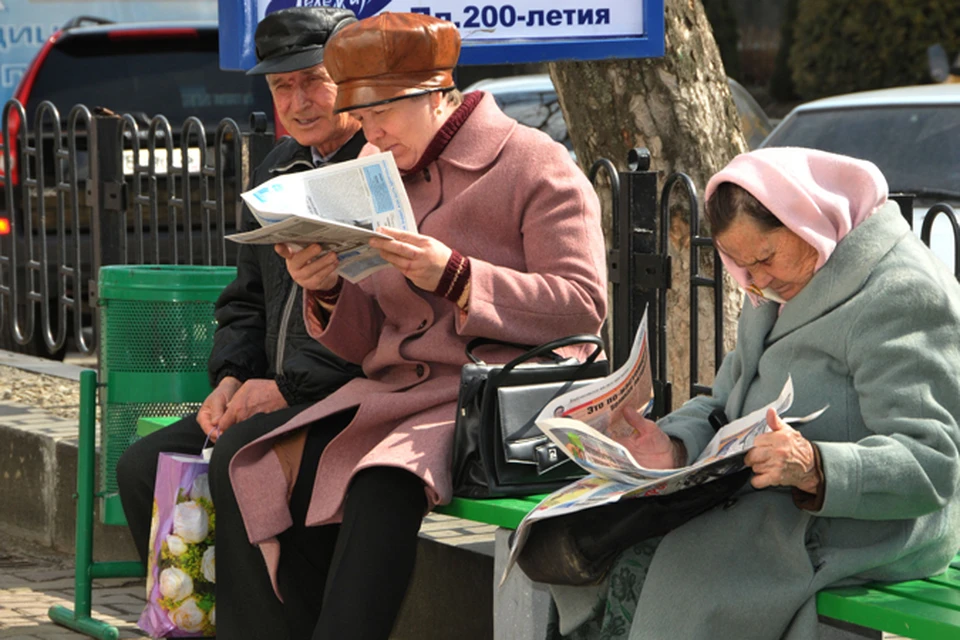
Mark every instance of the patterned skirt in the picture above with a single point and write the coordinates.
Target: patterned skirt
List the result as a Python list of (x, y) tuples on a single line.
[(612, 617)]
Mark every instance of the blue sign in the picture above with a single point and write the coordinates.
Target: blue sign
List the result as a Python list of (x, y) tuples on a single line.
[(499, 32), (26, 24)]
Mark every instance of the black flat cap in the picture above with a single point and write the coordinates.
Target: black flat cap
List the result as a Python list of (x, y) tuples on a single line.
[(293, 39)]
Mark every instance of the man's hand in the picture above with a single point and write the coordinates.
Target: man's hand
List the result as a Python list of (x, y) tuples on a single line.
[(421, 259), (310, 267), (649, 445), (211, 411), (254, 396), (783, 457)]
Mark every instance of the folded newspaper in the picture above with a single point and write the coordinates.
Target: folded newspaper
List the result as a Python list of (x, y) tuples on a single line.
[(587, 422), (338, 206)]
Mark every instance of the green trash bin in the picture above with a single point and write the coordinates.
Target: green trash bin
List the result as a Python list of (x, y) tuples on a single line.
[(156, 333)]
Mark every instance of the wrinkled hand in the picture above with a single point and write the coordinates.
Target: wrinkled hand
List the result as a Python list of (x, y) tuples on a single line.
[(310, 267), (782, 457), (421, 259), (649, 445), (211, 411), (253, 397)]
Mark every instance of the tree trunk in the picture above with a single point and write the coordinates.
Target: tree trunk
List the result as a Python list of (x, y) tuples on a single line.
[(680, 108)]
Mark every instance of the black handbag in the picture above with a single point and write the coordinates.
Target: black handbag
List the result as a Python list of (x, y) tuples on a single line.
[(498, 451)]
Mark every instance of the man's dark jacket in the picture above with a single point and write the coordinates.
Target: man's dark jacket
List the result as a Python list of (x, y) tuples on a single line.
[(260, 314)]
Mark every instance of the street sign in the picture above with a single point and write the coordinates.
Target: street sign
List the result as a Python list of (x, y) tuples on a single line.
[(493, 32)]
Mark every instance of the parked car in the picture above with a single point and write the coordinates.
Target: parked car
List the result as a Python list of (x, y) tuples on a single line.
[(142, 69), (911, 133), (532, 100)]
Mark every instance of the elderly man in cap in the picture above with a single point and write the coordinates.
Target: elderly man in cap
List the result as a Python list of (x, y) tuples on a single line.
[(264, 367)]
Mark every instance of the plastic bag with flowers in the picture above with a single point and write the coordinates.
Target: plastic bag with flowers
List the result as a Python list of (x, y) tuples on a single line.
[(181, 565)]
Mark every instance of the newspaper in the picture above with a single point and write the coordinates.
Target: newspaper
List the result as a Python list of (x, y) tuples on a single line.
[(585, 424), (337, 206)]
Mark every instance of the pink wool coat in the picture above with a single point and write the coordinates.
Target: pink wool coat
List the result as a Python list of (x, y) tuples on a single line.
[(513, 202)]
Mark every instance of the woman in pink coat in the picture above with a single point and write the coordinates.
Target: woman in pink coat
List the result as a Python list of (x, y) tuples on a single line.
[(509, 247)]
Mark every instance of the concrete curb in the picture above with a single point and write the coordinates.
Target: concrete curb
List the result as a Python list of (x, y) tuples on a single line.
[(39, 365), (38, 456)]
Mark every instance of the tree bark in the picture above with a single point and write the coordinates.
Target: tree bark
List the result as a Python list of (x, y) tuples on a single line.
[(679, 107)]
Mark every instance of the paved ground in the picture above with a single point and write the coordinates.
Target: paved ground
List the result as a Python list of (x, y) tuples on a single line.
[(31, 581)]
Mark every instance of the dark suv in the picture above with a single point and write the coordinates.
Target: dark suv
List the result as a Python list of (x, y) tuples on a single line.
[(142, 69)]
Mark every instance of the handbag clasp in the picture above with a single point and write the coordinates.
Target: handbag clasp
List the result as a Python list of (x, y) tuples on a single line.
[(549, 457)]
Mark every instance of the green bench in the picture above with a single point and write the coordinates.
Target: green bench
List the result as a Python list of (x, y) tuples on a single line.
[(924, 609)]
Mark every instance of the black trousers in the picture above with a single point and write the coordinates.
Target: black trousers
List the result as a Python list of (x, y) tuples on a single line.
[(337, 581)]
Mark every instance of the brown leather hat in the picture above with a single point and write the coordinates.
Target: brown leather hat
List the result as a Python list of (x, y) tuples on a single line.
[(389, 56)]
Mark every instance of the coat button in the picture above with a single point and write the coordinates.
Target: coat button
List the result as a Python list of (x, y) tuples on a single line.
[(420, 370), (422, 325)]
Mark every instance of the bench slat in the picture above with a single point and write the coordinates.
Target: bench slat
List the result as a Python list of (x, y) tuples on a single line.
[(929, 591), (949, 579), (503, 512), (889, 612)]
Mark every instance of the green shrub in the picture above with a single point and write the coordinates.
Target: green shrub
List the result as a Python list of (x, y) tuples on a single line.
[(781, 82), (724, 24), (853, 45)]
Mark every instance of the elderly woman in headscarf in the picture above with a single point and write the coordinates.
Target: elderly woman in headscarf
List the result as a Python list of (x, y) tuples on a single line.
[(846, 300), (509, 247)]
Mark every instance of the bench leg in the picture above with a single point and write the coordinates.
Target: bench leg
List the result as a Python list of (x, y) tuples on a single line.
[(520, 607), (85, 570)]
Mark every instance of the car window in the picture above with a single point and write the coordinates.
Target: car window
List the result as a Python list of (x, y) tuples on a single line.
[(175, 77), (537, 109), (916, 147)]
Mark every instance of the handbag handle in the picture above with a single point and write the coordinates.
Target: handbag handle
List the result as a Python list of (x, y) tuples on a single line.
[(476, 343), (549, 347), (545, 350)]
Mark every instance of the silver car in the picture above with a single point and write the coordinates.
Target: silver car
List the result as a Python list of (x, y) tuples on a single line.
[(911, 133)]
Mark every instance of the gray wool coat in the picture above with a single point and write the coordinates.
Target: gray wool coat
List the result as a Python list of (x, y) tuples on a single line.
[(875, 335)]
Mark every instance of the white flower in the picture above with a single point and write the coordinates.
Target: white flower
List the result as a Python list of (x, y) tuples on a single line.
[(201, 487), (188, 616), (209, 565), (190, 522), (176, 545), (175, 584), (213, 616)]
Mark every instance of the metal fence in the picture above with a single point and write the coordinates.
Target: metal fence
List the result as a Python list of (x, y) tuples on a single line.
[(96, 188)]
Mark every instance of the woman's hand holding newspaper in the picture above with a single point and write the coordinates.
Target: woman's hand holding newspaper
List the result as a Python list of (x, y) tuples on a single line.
[(650, 446)]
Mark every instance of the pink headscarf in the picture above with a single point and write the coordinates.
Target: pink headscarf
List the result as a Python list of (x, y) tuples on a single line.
[(819, 196)]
